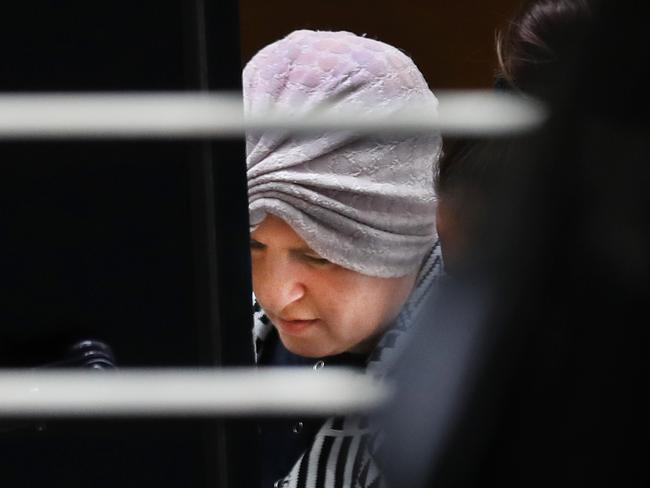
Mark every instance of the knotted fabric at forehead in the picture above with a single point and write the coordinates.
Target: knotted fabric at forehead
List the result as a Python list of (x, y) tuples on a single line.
[(364, 202)]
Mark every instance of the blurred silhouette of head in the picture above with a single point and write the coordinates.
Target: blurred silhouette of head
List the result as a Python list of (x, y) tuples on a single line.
[(534, 49), (533, 54), (550, 395)]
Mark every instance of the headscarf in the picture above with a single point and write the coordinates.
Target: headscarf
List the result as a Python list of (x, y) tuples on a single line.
[(366, 203)]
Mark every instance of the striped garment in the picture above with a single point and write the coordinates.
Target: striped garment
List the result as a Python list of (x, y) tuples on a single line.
[(341, 454)]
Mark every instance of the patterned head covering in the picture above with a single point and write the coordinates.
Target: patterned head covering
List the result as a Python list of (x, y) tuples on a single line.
[(364, 202)]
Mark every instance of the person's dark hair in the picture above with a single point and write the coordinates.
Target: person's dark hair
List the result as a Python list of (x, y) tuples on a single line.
[(531, 53), (542, 35), (534, 54)]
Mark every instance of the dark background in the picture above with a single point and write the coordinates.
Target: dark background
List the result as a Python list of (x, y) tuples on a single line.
[(138, 244), (451, 41)]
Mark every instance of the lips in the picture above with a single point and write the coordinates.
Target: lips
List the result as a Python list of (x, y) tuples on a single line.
[(294, 326)]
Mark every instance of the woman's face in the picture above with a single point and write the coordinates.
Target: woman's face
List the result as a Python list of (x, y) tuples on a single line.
[(319, 308)]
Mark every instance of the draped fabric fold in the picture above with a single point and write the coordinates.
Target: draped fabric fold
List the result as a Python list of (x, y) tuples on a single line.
[(364, 202)]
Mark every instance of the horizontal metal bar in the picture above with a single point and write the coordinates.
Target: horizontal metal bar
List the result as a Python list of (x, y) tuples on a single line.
[(187, 392), (214, 115)]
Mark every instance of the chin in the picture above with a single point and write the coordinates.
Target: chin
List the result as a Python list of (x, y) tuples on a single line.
[(306, 348)]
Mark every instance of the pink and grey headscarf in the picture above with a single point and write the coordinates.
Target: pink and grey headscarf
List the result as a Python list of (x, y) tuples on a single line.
[(365, 203)]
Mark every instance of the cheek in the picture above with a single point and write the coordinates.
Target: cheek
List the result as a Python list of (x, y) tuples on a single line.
[(255, 272), (351, 307), (373, 305), (259, 277)]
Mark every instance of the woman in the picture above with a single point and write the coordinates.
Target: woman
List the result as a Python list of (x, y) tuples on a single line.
[(343, 238), (521, 420)]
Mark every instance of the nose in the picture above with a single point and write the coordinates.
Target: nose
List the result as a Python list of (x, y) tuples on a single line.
[(279, 286), (292, 291)]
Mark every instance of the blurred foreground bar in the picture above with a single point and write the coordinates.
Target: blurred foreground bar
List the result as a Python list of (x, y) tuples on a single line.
[(191, 392), (197, 115)]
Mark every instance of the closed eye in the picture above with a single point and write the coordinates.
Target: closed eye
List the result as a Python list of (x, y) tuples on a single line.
[(317, 260), (257, 246)]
